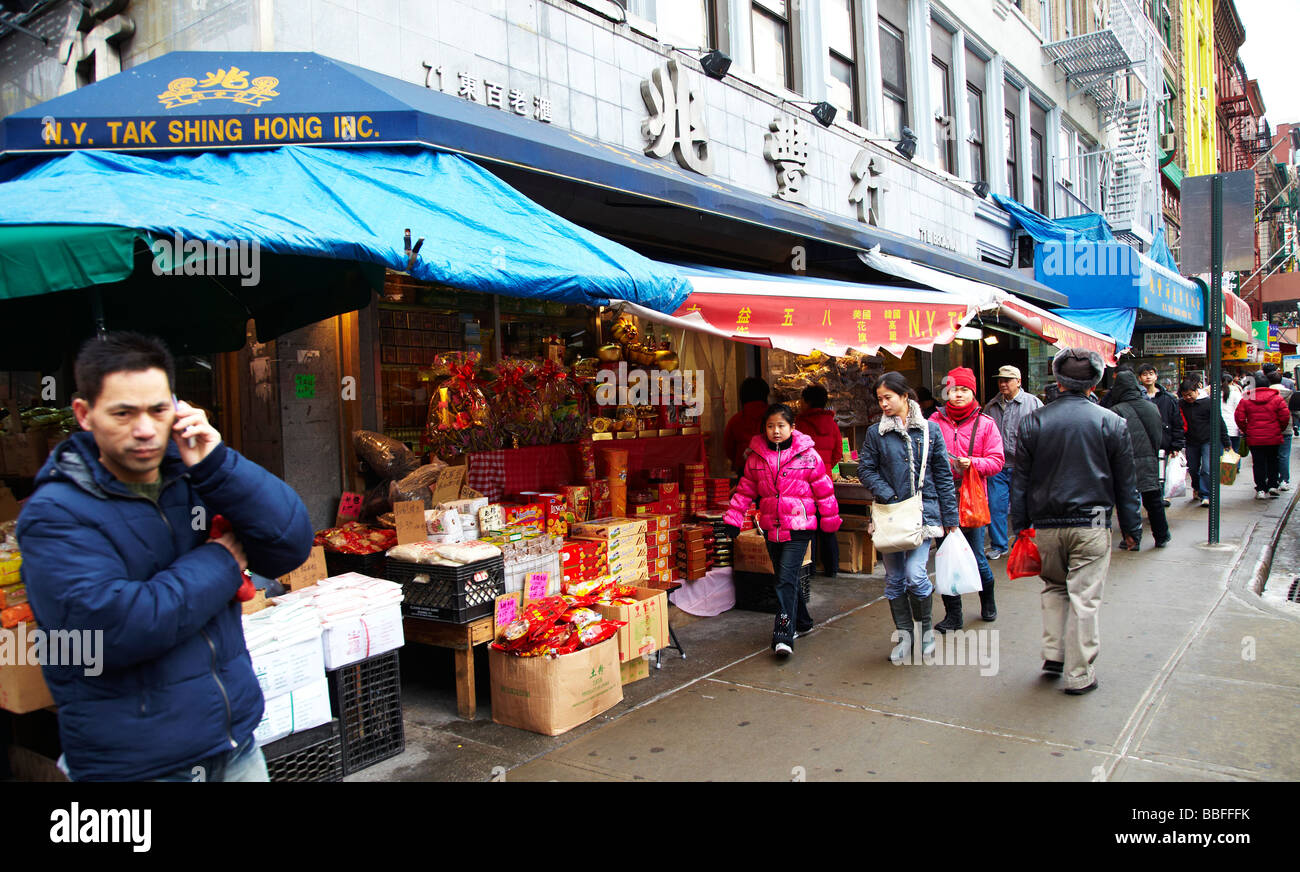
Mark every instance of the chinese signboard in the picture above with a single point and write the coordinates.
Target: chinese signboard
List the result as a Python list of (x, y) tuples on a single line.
[(676, 122), (1058, 332), (1186, 343), (1235, 351), (786, 148)]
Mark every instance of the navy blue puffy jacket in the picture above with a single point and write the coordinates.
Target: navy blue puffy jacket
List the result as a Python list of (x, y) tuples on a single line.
[(177, 684)]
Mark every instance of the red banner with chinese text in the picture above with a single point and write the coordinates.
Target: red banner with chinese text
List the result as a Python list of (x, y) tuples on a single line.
[(1058, 331), (830, 326)]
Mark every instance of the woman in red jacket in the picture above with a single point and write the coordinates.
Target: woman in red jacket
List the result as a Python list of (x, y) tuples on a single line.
[(1262, 416), (818, 422), (972, 439)]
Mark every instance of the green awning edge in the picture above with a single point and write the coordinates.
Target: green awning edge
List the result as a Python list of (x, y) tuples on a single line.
[(40, 259)]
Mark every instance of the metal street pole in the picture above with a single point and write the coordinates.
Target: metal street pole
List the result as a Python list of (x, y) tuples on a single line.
[(1215, 341)]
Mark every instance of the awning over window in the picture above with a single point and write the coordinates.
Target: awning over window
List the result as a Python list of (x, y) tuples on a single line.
[(801, 314), (1050, 326)]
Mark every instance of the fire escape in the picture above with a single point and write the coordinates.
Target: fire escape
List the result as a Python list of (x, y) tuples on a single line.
[(1117, 63)]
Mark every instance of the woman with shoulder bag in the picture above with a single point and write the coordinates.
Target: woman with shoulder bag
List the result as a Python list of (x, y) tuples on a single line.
[(904, 463), (973, 440)]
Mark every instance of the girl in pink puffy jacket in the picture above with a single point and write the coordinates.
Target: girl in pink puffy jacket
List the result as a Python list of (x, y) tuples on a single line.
[(784, 472), (972, 439)]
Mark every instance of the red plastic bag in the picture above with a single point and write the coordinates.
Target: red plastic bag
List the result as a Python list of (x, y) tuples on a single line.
[(1025, 559), (974, 508)]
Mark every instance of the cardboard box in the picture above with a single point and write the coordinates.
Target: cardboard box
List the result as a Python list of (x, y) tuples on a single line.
[(609, 528), (646, 629), (634, 670), (668, 489), (22, 689), (552, 696), (850, 551), (655, 523), (750, 553)]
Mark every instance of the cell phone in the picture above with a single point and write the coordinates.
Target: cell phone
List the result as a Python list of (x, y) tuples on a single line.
[(176, 408)]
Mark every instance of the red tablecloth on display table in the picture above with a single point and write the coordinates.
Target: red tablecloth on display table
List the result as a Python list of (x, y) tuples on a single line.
[(497, 474)]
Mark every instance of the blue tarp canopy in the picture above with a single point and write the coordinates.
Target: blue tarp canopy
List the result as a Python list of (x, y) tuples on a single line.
[(1107, 281), (209, 101), (1090, 226), (350, 205)]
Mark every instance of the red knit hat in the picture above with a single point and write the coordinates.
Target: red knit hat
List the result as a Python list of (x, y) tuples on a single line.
[(962, 377)]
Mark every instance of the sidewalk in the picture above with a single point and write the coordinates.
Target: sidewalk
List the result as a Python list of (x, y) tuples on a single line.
[(1199, 681)]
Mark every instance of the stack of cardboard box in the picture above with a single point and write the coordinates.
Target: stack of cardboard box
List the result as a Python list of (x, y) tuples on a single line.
[(695, 551), (625, 546), (856, 551), (695, 494), (661, 536)]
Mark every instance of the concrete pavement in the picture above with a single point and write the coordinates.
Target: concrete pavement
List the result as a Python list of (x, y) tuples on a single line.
[(1199, 681)]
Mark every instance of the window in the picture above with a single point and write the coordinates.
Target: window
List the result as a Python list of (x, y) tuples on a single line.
[(1065, 154), (686, 23), (976, 74), (975, 115), (770, 29), (941, 94), (1010, 142), (941, 97), (893, 76), (1038, 156), (841, 63)]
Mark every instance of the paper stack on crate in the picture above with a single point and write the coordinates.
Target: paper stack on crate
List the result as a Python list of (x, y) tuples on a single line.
[(285, 646), (359, 616)]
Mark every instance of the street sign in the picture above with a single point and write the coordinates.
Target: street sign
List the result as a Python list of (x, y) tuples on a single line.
[(1238, 222)]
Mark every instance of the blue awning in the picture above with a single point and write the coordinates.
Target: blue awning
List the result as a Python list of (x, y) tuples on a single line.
[(1090, 226), (351, 205), (1114, 275), (193, 101)]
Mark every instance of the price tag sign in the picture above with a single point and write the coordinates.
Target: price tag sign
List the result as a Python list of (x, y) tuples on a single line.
[(449, 484), (468, 493), (309, 573), (505, 613), (409, 515), (349, 508), (535, 587)]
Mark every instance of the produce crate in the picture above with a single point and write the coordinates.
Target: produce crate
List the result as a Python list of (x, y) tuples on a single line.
[(366, 564), (310, 756), (456, 594), (366, 698), (756, 591)]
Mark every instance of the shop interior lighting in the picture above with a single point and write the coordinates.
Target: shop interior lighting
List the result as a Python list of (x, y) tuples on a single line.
[(990, 340), (907, 145), (974, 334)]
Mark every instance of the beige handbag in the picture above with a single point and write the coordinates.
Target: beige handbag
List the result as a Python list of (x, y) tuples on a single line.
[(901, 526)]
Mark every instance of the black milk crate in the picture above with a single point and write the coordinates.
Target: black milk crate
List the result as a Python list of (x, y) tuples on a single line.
[(313, 755), (756, 591), (456, 594), (366, 698), (366, 564)]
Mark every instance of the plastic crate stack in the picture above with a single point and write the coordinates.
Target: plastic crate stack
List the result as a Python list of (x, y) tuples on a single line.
[(313, 755), (366, 698), (456, 594)]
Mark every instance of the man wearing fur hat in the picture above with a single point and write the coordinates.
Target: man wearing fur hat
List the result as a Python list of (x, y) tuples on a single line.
[(1074, 466)]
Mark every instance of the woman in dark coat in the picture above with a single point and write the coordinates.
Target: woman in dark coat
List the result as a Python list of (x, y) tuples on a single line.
[(1146, 430)]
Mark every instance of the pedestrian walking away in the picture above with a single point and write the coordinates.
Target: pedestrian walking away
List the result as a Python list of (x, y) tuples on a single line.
[(1144, 430), (796, 498), (973, 441), (1230, 396), (112, 545), (1197, 412), (1277, 383), (1074, 469), (903, 455), (1263, 417), (818, 422), (1006, 409)]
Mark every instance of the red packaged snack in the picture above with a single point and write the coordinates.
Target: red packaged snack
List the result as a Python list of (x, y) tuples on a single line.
[(587, 459), (594, 634), (580, 616)]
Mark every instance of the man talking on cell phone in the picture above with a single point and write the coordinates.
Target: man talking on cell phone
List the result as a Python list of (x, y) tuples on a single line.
[(115, 541)]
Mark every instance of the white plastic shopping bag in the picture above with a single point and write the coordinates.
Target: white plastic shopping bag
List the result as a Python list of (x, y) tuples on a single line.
[(1175, 477), (955, 569)]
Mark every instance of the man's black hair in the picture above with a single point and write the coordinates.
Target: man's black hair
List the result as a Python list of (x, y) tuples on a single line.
[(754, 390), (1274, 376), (815, 396), (1146, 367), (119, 352), (1189, 384)]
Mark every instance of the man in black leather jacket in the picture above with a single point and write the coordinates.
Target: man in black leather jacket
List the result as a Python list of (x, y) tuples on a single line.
[(1074, 466)]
